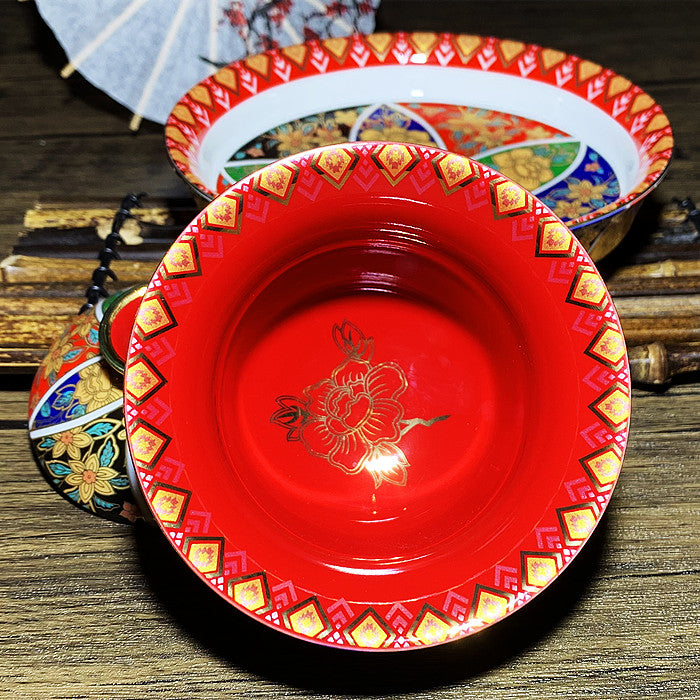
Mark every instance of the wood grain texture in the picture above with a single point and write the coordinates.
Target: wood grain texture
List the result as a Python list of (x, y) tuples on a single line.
[(92, 609), (99, 610)]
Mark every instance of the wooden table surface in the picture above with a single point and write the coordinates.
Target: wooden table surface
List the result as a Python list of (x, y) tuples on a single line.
[(92, 609)]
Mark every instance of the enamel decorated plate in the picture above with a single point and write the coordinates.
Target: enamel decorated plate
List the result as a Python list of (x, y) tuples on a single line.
[(584, 139), (377, 396)]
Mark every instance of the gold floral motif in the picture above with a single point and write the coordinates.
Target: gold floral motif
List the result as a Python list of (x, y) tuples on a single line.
[(85, 327), (93, 469), (95, 389), (524, 167), (327, 136), (470, 120), (90, 478), (71, 442), (345, 117), (538, 132), (54, 358), (294, 141), (398, 134), (584, 191), (354, 419), (567, 210)]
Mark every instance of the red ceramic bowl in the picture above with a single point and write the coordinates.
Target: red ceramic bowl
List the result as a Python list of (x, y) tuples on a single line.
[(377, 396)]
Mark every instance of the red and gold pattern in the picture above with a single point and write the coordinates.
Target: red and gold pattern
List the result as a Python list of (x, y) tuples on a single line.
[(354, 420), (181, 259), (276, 182), (633, 109), (608, 346), (335, 165), (147, 444), (251, 592), (143, 380), (396, 160), (587, 480), (509, 198), (224, 215), (454, 172), (603, 466), (588, 289), (539, 569), (169, 504), (554, 240), (205, 554), (155, 316)]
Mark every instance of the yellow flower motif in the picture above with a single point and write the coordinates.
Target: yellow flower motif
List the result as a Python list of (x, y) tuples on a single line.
[(327, 136), (54, 358), (491, 139), (84, 323), (90, 478), (524, 167), (345, 117), (95, 389), (294, 141), (70, 441), (468, 121), (398, 134), (584, 191), (568, 210), (539, 132)]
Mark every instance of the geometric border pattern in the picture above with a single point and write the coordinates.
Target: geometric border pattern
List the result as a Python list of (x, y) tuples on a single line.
[(590, 476)]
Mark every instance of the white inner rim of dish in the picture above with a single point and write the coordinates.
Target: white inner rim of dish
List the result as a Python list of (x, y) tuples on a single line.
[(435, 84)]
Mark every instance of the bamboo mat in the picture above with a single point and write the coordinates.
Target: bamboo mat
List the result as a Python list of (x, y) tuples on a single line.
[(654, 279)]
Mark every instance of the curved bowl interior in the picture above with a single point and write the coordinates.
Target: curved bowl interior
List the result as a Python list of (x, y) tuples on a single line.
[(584, 140), (364, 379)]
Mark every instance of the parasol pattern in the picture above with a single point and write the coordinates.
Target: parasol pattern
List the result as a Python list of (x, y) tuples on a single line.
[(147, 53)]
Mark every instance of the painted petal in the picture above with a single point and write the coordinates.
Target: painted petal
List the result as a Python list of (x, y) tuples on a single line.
[(73, 451), (104, 488), (383, 423), (317, 439), (92, 463), (106, 473), (351, 371), (386, 381), (318, 394), (387, 462), (349, 454), (77, 467), (58, 449), (357, 411), (81, 439), (86, 491), (74, 479)]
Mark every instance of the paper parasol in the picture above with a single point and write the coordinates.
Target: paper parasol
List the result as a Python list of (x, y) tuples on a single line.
[(147, 53)]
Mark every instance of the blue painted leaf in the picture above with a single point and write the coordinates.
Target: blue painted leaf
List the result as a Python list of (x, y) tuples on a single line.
[(105, 505), (73, 495), (47, 443), (120, 482), (64, 398), (58, 468), (108, 453), (99, 429), (93, 337), (71, 355), (77, 411), (45, 410)]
